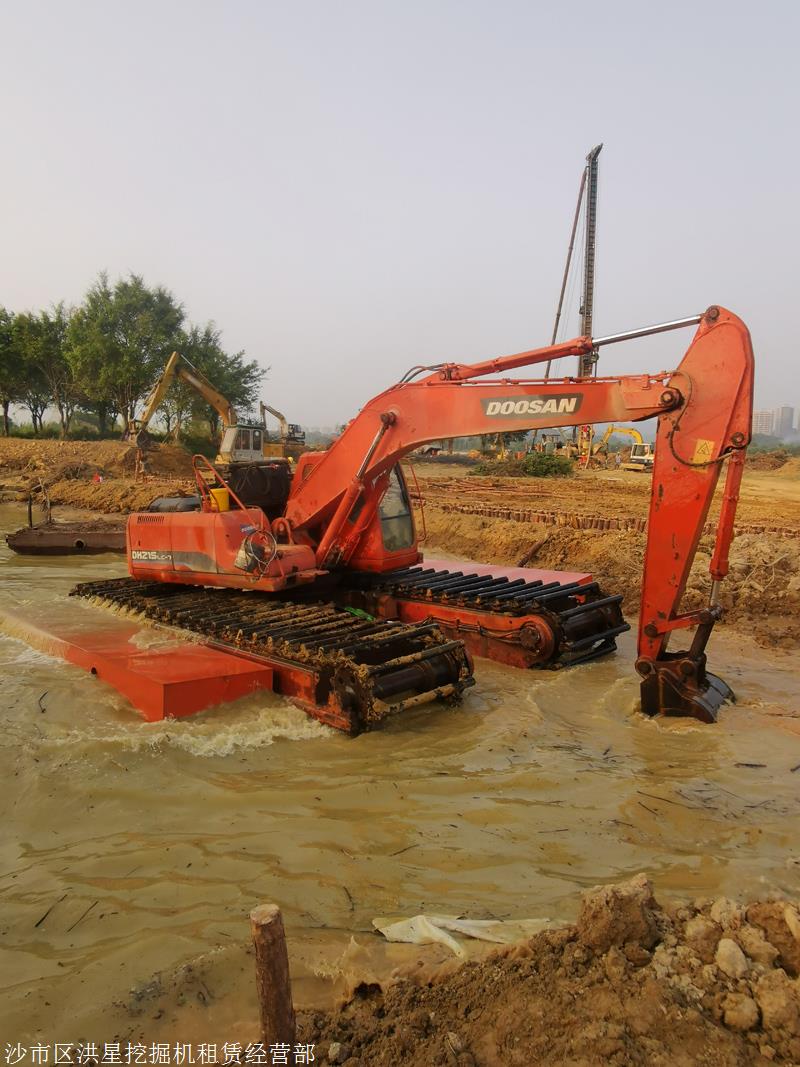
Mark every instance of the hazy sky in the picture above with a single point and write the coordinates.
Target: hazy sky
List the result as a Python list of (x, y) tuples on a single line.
[(349, 188)]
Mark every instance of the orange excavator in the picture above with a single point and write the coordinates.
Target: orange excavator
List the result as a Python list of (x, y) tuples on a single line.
[(332, 591)]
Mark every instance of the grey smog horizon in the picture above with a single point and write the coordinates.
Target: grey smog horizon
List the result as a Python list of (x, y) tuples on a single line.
[(350, 189)]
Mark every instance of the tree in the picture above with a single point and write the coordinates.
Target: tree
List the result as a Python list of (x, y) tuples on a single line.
[(11, 381), (119, 341), (42, 339), (35, 389)]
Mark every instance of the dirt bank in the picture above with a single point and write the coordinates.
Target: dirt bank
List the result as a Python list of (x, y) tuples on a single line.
[(631, 982), (769, 500), (116, 494), (597, 522), (57, 459), (96, 475)]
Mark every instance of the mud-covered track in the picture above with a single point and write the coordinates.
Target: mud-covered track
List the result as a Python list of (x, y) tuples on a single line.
[(347, 669)]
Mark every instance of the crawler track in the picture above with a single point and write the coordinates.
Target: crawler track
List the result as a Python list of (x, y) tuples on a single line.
[(347, 670), (518, 622)]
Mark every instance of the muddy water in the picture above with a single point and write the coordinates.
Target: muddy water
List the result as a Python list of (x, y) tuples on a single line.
[(129, 850)]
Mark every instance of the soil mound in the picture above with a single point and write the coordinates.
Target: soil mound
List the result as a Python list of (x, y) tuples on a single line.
[(767, 461), (55, 460), (90, 474), (631, 982), (117, 495)]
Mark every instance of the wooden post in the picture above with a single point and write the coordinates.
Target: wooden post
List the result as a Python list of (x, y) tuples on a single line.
[(272, 975)]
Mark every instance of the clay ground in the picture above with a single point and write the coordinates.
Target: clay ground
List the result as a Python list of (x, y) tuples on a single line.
[(631, 983), (67, 470)]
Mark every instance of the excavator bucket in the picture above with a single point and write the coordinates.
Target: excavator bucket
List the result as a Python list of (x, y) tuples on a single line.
[(681, 685)]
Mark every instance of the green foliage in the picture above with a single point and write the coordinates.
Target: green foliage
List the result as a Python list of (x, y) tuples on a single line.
[(11, 379), (199, 443), (41, 342), (764, 442), (237, 379), (97, 362), (533, 465), (119, 341), (34, 390), (40, 430)]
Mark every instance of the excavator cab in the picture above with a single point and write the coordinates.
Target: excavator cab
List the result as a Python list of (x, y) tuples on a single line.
[(397, 522), (390, 539), (241, 444), (642, 457)]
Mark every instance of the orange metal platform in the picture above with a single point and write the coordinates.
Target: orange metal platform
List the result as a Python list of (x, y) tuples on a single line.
[(163, 679), (497, 570)]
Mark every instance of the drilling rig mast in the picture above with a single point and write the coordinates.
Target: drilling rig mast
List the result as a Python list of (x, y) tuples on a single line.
[(588, 361)]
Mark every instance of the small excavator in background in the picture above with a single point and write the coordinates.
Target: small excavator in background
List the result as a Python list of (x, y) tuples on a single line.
[(327, 584), (234, 447), (291, 442), (642, 454)]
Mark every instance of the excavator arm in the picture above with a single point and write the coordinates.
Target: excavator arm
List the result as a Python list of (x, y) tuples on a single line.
[(704, 412), (179, 367), (628, 431), (137, 428), (282, 420)]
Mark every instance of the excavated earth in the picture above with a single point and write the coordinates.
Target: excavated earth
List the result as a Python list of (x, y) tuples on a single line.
[(68, 471), (632, 982)]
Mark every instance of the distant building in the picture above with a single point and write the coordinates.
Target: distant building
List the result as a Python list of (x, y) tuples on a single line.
[(763, 422), (784, 422)]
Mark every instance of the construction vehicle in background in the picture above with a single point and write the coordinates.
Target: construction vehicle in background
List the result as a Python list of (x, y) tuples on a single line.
[(241, 441), (235, 446), (291, 441), (333, 593), (254, 467), (642, 457), (642, 454)]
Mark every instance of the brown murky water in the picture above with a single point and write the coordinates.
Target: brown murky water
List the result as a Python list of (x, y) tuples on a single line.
[(130, 849)]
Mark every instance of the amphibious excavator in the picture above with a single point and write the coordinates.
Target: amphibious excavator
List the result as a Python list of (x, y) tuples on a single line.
[(329, 587)]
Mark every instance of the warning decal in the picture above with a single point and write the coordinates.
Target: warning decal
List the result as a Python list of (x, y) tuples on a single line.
[(703, 451)]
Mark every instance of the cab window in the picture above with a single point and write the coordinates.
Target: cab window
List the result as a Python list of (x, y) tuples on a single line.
[(256, 440), (397, 524), (243, 440)]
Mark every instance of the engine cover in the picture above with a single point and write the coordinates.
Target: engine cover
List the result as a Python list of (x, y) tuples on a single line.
[(228, 548)]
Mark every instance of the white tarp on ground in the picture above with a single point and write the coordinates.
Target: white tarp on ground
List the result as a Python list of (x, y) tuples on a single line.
[(433, 929)]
